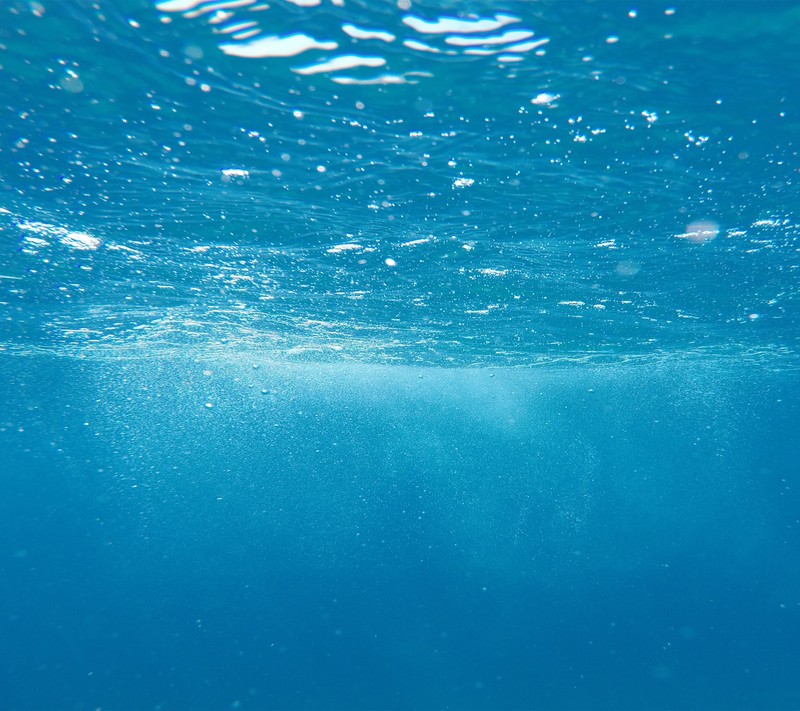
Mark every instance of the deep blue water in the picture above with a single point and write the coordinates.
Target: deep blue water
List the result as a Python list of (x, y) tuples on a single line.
[(414, 355), (363, 537)]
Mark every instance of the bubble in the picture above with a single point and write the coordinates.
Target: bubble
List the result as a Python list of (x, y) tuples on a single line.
[(628, 268), (72, 84), (192, 51)]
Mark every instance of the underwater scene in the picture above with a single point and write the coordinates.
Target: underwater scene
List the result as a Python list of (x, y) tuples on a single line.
[(399, 355)]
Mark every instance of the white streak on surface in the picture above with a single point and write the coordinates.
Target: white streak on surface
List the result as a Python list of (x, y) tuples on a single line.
[(362, 34), (505, 38), (447, 25), (273, 46), (347, 61)]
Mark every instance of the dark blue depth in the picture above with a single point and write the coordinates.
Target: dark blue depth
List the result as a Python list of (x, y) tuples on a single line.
[(396, 539)]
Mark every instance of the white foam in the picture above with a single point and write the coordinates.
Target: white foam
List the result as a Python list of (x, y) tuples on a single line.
[(80, 240)]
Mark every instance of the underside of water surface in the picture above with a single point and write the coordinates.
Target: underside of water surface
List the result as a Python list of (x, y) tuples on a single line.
[(399, 355)]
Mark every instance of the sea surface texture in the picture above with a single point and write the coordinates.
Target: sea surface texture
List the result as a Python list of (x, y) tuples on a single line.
[(393, 355)]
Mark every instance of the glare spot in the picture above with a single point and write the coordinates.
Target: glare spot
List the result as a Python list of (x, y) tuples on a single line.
[(288, 46), (346, 247), (236, 175), (544, 99), (700, 231), (80, 240)]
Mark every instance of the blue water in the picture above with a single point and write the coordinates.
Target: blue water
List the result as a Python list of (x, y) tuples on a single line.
[(414, 355)]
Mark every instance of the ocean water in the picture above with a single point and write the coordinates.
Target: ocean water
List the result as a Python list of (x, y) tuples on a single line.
[(399, 355)]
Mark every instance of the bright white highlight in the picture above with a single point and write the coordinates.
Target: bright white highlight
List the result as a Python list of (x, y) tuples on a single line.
[(289, 46), (447, 25)]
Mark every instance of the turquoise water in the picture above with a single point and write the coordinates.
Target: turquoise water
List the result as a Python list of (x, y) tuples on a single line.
[(399, 355)]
